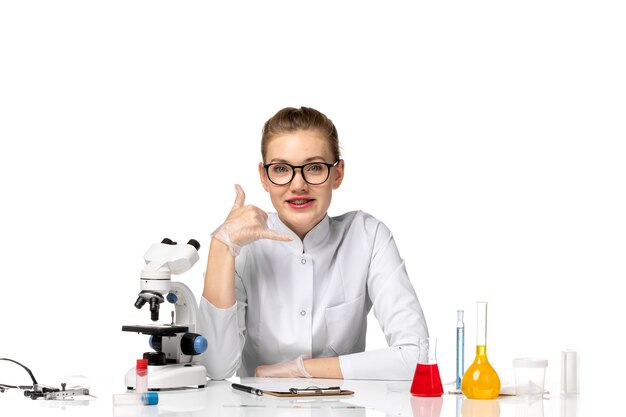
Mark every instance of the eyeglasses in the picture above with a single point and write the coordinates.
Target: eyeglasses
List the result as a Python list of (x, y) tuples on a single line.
[(314, 173)]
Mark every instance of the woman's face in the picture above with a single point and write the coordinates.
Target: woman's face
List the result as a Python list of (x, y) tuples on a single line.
[(300, 205)]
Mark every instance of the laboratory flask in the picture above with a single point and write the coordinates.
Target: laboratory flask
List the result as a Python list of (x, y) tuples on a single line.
[(426, 380), (480, 381)]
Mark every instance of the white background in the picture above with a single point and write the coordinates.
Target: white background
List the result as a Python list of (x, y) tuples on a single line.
[(488, 136)]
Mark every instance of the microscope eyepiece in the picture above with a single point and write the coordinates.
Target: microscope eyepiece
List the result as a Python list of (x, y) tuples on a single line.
[(194, 243)]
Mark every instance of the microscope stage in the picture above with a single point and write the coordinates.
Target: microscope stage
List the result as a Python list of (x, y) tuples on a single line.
[(157, 329)]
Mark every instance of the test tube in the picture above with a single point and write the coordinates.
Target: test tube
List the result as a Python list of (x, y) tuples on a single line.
[(460, 348), (141, 372), (144, 398)]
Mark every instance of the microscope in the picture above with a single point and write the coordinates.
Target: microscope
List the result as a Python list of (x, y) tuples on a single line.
[(170, 364)]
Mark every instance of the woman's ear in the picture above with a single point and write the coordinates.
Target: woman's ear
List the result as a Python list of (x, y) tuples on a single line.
[(338, 177), (263, 176)]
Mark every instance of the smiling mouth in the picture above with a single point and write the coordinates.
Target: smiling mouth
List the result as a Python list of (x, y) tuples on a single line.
[(299, 202)]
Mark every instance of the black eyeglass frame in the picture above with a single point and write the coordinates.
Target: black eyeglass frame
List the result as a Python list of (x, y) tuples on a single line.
[(293, 171)]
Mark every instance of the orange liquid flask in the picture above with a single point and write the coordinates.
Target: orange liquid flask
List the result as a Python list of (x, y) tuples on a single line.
[(480, 381), (427, 381)]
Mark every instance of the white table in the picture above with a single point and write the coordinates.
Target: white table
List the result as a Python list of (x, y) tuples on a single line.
[(371, 398)]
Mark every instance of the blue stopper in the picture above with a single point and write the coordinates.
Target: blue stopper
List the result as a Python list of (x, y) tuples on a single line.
[(150, 398), (172, 298)]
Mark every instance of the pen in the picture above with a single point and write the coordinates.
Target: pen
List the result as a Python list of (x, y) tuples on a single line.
[(316, 390), (247, 389)]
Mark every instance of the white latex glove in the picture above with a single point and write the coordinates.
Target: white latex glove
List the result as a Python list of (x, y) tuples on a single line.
[(244, 225), (288, 369)]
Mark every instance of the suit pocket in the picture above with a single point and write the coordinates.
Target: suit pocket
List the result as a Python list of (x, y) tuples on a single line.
[(345, 326)]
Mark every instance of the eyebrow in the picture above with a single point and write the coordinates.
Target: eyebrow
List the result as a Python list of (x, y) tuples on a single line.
[(311, 159)]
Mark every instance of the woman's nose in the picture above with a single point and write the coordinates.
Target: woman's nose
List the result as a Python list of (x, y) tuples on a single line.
[(298, 182)]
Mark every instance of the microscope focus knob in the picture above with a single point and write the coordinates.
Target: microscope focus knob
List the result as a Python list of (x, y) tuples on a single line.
[(193, 344)]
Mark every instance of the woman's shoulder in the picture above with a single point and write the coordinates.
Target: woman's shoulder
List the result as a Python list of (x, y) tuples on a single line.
[(359, 218)]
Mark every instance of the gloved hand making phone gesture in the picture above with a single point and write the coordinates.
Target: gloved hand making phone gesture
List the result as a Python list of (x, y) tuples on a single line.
[(245, 224)]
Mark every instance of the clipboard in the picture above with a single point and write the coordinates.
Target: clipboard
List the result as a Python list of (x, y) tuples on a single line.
[(310, 391)]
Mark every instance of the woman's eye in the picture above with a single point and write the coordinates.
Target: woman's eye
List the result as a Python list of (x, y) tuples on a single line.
[(315, 168)]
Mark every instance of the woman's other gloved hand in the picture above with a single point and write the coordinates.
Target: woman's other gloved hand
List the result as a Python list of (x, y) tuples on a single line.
[(244, 225), (288, 369)]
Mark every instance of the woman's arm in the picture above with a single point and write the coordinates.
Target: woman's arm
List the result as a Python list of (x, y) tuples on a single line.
[(219, 281), (399, 313), (244, 225), (222, 310), (323, 367), (302, 368)]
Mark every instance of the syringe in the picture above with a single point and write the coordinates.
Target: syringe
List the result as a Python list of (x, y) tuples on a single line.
[(460, 348)]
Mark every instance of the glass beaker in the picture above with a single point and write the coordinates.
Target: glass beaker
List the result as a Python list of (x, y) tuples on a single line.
[(427, 381), (480, 381)]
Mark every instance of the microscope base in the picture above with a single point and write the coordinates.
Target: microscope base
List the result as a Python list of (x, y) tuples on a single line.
[(176, 375)]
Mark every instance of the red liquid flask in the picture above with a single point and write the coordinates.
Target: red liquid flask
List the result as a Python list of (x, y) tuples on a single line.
[(427, 381)]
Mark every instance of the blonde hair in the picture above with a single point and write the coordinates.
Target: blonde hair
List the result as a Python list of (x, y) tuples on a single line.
[(291, 119)]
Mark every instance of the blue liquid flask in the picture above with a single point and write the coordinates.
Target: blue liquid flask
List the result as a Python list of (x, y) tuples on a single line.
[(460, 349)]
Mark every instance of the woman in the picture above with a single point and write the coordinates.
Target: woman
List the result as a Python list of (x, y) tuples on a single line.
[(287, 294)]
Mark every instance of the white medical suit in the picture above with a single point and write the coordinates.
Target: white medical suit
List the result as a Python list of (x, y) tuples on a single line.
[(312, 297)]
